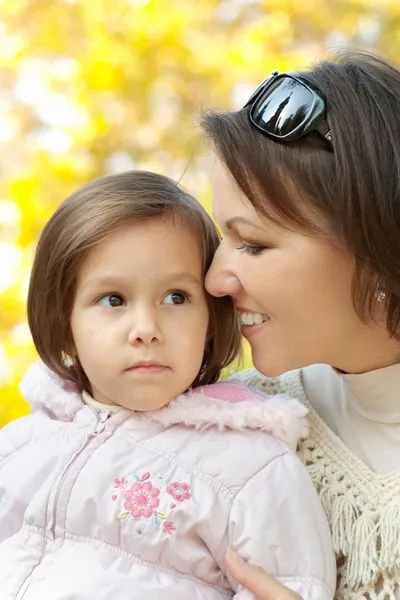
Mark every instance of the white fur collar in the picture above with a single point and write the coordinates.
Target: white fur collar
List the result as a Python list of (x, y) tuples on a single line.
[(44, 390), (283, 417), (228, 405)]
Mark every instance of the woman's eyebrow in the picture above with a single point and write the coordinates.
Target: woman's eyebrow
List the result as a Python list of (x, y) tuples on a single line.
[(230, 222)]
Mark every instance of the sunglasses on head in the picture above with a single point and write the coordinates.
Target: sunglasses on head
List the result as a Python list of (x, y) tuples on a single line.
[(287, 106)]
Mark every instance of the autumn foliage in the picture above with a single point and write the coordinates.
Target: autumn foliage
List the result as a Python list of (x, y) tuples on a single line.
[(94, 87)]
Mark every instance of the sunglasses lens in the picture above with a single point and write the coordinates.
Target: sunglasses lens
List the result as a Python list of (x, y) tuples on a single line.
[(283, 106)]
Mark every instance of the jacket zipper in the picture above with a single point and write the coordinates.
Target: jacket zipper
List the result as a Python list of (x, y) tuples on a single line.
[(99, 428)]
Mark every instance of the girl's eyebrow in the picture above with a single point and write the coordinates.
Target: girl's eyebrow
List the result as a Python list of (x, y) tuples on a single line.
[(183, 276), (100, 282)]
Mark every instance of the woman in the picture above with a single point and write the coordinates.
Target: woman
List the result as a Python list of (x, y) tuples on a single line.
[(307, 195)]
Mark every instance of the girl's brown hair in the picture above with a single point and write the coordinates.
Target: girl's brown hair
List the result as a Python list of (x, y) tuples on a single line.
[(351, 194), (85, 219)]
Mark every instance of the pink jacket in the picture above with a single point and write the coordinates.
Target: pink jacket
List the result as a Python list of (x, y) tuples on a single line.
[(142, 506)]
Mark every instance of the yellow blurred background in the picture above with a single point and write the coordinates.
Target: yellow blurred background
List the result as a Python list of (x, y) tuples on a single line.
[(100, 86)]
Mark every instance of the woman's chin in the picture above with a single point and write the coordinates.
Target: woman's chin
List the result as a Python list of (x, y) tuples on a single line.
[(272, 366), (268, 368)]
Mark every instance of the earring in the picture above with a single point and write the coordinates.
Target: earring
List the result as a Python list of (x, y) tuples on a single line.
[(67, 360), (380, 295)]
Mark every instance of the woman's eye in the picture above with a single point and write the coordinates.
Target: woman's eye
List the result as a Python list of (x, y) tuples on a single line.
[(113, 300), (249, 249), (176, 298)]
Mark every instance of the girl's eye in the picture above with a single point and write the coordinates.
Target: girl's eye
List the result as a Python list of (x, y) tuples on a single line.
[(249, 249), (176, 298), (113, 300)]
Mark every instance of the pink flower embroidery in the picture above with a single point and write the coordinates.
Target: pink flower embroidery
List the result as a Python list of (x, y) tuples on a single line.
[(139, 531), (168, 527), (141, 500), (179, 491), (120, 483)]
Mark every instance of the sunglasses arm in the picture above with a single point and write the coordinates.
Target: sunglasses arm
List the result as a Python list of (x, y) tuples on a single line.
[(324, 129)]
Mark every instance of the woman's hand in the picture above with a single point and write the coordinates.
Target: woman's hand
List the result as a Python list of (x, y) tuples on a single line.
[(263, 586)]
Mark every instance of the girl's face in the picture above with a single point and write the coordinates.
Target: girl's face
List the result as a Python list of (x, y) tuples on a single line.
[(293, 291), (140, 317)]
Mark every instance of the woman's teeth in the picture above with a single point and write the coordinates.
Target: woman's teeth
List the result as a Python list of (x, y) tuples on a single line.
[(248, 319)]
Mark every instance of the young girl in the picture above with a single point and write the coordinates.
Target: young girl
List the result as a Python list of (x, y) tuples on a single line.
[(135, 471)]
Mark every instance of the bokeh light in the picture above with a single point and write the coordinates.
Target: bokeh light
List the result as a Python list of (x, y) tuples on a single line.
[(90, 88)]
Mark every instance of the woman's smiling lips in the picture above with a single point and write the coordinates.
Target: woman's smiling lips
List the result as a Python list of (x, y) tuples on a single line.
[(251, 321), (147, 367)]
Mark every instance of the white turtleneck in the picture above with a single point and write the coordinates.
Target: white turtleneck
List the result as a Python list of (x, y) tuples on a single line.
[(99, 406), (362, 410)]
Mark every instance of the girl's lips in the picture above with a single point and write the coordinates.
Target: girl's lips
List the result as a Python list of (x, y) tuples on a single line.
[(147, 368), (150, 370)]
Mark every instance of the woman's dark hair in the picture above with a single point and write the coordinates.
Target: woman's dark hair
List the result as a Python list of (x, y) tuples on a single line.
[(84, 220), (351, 194)]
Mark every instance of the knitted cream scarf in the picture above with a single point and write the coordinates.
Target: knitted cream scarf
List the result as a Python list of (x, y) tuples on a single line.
[(363, 507)]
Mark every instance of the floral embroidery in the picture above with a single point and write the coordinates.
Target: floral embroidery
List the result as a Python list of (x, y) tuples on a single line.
[(140, 530), (168, 527), (142, 499), (179, 491), (160, 478), (122, 515), (120, 483), (114, 497)]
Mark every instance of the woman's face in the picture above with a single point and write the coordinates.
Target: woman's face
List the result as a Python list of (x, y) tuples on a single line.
[(293, 291)]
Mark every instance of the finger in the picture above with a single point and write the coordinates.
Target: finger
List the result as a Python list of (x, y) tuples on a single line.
[(259, 583)]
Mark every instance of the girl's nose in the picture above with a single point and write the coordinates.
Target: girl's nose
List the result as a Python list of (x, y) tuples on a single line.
[(145, 330)]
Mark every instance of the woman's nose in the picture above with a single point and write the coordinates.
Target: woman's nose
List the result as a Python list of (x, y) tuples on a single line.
[(220, 279)]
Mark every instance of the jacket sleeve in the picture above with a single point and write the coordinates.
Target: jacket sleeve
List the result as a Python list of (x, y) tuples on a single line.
[(277, 523), (13, 437)]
